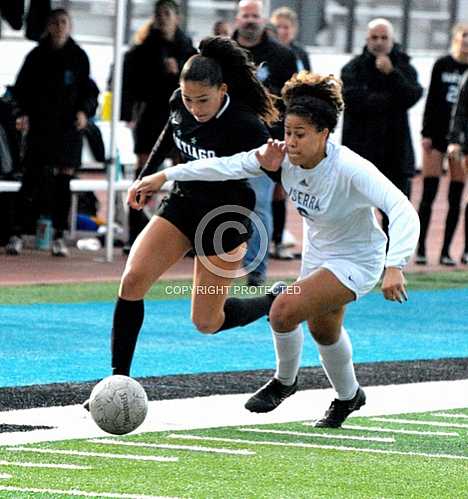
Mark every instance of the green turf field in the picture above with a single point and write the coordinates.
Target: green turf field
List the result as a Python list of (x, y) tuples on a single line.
[(85, 292), (369, 458)]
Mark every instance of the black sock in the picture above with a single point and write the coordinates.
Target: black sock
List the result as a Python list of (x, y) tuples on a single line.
[(454, 199), (466, 228), (243, 311), (128, 318), (430, 187)]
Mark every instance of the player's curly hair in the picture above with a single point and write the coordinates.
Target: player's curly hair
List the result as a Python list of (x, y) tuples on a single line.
[(221, 60), (315, 97)]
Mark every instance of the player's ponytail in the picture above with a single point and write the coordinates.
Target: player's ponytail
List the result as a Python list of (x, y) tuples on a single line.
[(221, 60), (315, 97)]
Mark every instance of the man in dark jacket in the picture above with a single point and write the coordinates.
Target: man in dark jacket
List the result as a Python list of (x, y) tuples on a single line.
[(379, 86), (275, 65)]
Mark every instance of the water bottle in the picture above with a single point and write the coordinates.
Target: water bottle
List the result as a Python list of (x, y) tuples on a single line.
[(89, 244), (44, 233)]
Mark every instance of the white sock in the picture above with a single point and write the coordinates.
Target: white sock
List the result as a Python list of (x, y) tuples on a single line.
[(337, 361), (288, 349)]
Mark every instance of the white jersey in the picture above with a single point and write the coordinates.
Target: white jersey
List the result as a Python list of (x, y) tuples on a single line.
[(336, 199)]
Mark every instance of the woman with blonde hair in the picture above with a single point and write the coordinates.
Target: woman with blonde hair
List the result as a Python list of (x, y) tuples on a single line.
[(443, 90)]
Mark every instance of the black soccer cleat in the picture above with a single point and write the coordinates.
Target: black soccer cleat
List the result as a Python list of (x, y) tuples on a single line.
[(270, 396), (339, 410)]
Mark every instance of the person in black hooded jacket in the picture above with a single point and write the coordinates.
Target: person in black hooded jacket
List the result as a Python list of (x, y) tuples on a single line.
[(55, 96), (150, 76), (379, 87)]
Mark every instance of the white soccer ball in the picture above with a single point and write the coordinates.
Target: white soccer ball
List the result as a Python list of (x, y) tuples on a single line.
[(118, 404)]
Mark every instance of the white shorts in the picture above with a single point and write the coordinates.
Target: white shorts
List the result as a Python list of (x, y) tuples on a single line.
[(359, 278)]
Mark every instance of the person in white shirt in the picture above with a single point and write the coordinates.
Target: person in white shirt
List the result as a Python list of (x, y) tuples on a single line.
[(344, 252)]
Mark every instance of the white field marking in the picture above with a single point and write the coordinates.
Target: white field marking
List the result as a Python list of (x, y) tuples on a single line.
[(405, 432), (195, 448), (303, 445), (336, 436), (418, 422), (450, 415), (82, 493), (45, 465), (93, 454), (72, 422), (5, 476)]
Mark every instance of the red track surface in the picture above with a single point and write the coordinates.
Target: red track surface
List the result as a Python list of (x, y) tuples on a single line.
[(34, 267)]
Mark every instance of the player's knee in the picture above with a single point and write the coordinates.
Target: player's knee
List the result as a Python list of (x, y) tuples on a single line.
[(132, 284), (282, 316), (206, 325)]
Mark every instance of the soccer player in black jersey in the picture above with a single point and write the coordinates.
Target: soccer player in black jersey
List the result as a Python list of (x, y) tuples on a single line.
[(220, 109), (458, 143), (443, 90)]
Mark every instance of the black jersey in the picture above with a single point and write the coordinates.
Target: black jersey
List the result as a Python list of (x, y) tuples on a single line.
[(443, 90), (234, 129), (459, 125)]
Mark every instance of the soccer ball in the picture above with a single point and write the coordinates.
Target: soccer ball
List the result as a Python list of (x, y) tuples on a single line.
[(118, 404)]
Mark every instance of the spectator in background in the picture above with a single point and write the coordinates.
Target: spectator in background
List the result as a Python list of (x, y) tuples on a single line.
[(56, 97), (458, 142), (222, 28), (285, 22), (150, 76), (380, 86), (275, 65), (443, 90)]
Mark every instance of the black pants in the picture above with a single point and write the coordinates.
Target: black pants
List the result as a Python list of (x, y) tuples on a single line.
[(45, 190)]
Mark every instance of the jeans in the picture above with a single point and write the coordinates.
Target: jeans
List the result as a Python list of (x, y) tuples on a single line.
[(257, 249)]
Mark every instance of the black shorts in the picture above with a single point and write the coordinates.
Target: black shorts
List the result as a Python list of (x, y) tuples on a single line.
[(440, 144), (211, 229)]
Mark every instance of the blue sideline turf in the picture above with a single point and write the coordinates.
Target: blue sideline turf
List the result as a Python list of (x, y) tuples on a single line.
[(57, 343)]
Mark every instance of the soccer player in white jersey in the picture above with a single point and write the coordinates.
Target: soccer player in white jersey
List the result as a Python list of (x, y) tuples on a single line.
[(344, 253)]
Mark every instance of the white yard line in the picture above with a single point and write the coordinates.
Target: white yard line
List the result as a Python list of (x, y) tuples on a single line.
[(22, 464), (450, 415), (93, 454), (419, 422), (336, 436), (228, 410), (304, 445), (405, 432), (81, 493), (5, 476), (194, 448)]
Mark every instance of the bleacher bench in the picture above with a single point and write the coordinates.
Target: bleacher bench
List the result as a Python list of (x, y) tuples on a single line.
[(76, 186)]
